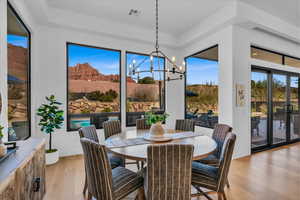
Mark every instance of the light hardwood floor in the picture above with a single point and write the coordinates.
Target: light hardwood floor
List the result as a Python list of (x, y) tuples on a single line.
[(269, 175)]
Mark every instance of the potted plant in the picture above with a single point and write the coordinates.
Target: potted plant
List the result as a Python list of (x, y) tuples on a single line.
[(3, 149), (155, 120), (51, 119)]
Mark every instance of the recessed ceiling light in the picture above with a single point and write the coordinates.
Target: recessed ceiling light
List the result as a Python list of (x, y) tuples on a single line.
[(134, 12)]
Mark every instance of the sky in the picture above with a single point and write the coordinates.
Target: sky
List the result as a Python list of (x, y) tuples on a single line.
[(105, 61), (17, 40), (201, 71)]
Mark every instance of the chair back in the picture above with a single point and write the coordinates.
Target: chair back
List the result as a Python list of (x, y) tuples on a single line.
[(89, 132), (225, 160), (98, 171), (169, 171), (111, 128), (185, 125), (219, 134), (141, 124)]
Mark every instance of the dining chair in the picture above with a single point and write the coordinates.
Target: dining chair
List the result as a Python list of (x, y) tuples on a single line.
[(141, 124), (90, 132), (219, 134), (212, 177), (168, 172), (103, 182), (185, 125), (111, 128)]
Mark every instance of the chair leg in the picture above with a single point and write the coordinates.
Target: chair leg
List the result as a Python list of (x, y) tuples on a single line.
[(224, 196), (85, 187), (203, 193), (140, 194), (227, 183), (220, 196), (138, 165)]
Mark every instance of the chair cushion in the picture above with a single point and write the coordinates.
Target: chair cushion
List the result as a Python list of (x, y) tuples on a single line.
[(210, 160), (204, 175), (115, 161), (125, 182)]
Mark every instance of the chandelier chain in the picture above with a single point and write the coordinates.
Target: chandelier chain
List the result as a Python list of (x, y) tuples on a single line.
[(156, 27)]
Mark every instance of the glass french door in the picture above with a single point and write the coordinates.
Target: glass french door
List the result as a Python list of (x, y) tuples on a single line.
[(275, 114)]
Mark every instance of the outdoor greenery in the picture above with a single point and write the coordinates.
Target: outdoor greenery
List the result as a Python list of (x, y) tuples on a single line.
[(146, 80), (152, 118), (1, 132), (108, 96), (51, 118), (202, 98)]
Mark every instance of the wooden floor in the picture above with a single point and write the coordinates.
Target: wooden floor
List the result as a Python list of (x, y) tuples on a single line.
[(269, 175)]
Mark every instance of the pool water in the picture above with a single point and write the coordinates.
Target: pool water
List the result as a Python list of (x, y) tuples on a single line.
[(80, 123)]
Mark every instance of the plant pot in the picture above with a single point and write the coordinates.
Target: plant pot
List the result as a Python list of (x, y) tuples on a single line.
[(52, 157), (3, 149), (157, 130)]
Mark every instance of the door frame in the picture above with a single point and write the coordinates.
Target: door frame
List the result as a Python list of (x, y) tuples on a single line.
[(269, 72)]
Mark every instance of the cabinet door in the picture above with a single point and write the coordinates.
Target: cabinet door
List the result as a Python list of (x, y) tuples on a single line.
[(39, 174), (9, 193)]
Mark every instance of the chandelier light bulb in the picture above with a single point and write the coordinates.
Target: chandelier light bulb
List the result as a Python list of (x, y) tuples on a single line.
[(151, 57), (183, 63), (134, 61), (173, 59)]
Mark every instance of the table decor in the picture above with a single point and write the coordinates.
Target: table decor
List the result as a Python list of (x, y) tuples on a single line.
[(156, 131), (3, 149)]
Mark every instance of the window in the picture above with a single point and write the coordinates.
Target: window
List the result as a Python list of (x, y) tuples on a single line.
[(93, 85), (18, 77), (293, 62), (145, 92), (201, 90), (265, 55)]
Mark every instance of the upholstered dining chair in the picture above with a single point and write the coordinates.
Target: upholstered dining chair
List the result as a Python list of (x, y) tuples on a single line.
[(111, 128), (219, 134), (211, 177), (104, 182), (185, 125), (90, 132), (141, 124), (168, 172)]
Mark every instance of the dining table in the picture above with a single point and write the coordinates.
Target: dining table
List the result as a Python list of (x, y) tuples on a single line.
[(131, 144)]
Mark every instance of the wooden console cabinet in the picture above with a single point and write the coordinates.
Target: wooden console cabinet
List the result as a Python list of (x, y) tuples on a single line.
[(22, 175)]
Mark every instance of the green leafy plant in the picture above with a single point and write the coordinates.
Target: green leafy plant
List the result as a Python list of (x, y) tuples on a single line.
[(1, 132), (152, 118), (51, 118)]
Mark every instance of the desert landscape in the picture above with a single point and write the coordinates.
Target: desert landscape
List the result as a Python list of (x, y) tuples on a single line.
[(90, 91)]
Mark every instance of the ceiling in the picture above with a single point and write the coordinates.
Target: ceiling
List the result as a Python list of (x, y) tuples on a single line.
[(175, 17), (287, 10)]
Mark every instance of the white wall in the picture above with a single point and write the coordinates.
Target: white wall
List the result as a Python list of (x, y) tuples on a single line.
[(49, 75), (3, 64)]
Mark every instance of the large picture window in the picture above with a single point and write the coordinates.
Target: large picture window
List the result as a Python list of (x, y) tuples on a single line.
[(93, 85), (145, 92), (18, 77), (201, 90)]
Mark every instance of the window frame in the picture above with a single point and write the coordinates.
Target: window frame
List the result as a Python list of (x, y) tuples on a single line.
[(185, 78), (67, 79), (165, 88), (29, 114), (284, 56)]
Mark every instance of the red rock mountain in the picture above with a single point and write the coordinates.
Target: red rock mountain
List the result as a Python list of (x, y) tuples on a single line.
[(17, 61), (86, 72)]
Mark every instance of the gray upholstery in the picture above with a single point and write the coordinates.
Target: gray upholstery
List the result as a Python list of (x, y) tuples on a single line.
[(142, 125), (219, 135), (215, 178), (103, 182), (185, 125), (111, 128), (168, 173), (90, 132)]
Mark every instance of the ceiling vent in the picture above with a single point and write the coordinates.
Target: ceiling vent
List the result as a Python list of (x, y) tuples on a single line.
[(134, 12)]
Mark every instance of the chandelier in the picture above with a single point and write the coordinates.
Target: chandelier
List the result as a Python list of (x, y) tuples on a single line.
[(171, 70)]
